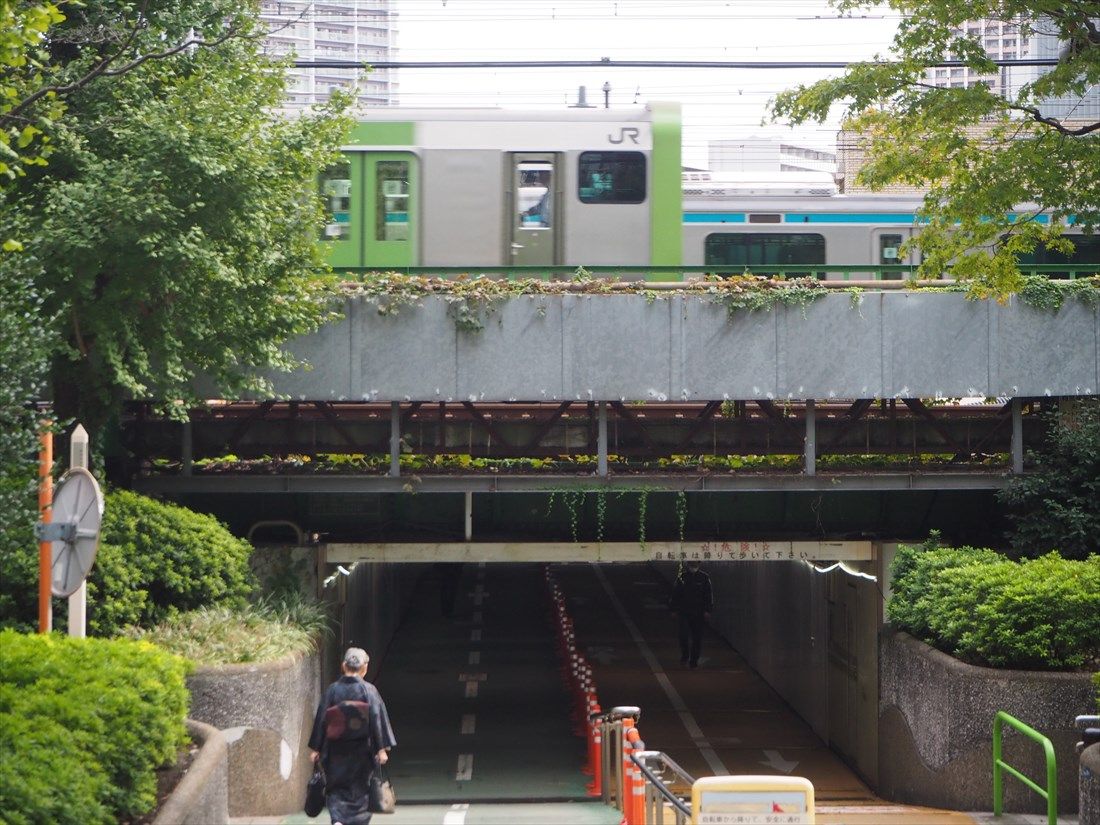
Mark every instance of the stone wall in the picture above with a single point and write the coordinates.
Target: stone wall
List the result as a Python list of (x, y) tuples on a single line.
[(202, 796), (936, 728), (265, 710)]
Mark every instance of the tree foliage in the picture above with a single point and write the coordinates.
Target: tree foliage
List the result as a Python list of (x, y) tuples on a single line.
[(27, 104), (174, 230), (1057, 506), (25, 350), (980, 155)]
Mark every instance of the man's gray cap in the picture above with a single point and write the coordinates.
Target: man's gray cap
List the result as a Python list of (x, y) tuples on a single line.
[(355, 658)]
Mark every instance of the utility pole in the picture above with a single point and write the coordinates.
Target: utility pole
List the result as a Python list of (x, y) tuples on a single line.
[(607, 94)]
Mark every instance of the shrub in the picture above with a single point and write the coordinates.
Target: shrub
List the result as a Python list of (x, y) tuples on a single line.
[(1039, 614), (914, 569), (156, 560), (84, 724)]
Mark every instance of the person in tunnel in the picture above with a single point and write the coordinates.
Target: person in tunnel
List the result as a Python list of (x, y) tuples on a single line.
[(693, 600), (351, 737), (450, 574)]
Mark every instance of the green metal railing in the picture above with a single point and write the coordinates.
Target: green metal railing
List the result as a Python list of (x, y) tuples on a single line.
[(899, 274), (999, 766)]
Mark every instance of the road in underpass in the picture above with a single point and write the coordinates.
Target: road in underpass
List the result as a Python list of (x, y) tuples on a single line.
[(482, 715)]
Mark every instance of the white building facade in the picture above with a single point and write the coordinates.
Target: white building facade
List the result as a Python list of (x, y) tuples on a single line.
[(767, 154), (346, 30)]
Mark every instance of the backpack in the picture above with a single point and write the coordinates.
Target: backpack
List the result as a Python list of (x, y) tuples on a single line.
[(347, 720)]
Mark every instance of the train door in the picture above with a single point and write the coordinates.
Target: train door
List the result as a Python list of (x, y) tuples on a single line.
[(371, 210), (534, 217), (886, 246), (390, 214)]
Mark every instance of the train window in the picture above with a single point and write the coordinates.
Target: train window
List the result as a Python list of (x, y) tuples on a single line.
[(1086, 252), (611, 177), (335, 187), (535, 194), (764, 248), (391, 197)]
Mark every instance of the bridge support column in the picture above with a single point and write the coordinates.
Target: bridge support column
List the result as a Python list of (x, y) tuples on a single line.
[(601, 440), (811, 438), (395, 439), (1017, 438), (187, 449), (469, 525)]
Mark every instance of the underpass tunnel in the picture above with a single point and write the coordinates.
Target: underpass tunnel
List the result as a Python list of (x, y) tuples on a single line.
[(787, 681)]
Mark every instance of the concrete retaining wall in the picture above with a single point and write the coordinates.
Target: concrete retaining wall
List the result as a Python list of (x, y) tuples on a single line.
[(265, 711), (936, 728), (686, 348), (202, 796), (1089, 790)]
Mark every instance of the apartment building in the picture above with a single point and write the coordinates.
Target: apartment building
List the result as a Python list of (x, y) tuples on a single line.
[(1005, 41), (352, 30)]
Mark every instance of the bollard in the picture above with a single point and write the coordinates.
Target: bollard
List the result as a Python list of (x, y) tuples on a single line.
[(636, 801), (626, 773), (595, 757)]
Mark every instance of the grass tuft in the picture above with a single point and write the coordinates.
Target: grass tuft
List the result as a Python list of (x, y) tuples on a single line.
[(260, 632)]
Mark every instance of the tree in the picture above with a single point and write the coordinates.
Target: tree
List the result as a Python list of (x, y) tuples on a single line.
[(1057, 507), (27, 105), (979, 154), (175, 228)]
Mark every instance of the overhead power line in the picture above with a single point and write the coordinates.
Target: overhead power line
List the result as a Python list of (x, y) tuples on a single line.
[(635, 64)]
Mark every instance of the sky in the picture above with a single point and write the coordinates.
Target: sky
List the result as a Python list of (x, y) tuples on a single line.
[(718, 103)]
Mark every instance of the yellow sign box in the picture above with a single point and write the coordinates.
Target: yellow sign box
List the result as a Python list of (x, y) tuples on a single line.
[(752, 800)]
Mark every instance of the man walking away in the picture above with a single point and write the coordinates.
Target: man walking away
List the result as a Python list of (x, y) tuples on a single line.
[(351, 736), (693, 600)]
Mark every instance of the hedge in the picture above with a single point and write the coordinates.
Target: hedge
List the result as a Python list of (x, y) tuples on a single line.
[(977, 605), (84, 724), (156, 560)]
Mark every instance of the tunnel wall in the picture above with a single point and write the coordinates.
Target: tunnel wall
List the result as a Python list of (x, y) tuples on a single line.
[(814, 638), (374, 600)]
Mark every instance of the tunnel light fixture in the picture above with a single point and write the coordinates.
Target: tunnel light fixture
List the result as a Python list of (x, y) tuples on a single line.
[(858, 574)]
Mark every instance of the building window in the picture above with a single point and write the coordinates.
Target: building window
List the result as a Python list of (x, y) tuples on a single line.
[(764, 249), (611, 177)]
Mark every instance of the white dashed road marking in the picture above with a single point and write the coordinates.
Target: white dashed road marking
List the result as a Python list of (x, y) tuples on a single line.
[(457, 814), (465, 770), (469, 721)]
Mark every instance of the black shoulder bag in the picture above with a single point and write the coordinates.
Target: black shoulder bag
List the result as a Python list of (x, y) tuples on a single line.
[(381, 799), (315, 791)]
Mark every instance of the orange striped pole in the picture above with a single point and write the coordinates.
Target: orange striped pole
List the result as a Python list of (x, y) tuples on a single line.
[(45, 501), (595, 756)]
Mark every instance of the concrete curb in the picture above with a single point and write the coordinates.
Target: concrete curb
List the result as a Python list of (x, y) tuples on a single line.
[(202, 796)]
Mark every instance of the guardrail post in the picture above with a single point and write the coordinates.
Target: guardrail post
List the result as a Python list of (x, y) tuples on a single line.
[(999, 766)]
